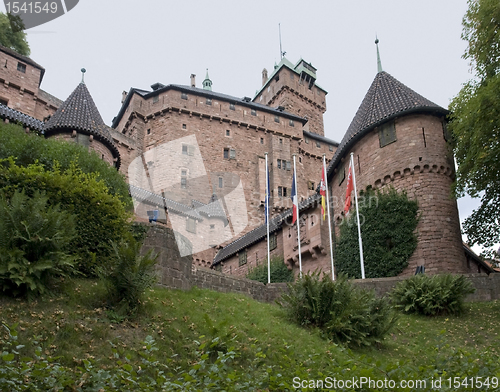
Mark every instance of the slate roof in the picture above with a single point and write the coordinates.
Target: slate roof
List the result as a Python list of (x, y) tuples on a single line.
[(153, 199), (214, 209), (260, 232), (387, 98), (245, 101), (320, 138), (16, 116), (80, 113)]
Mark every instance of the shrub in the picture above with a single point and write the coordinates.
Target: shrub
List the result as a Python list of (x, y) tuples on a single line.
[(279, 272), (128, 276), (34, 242), (101, 217), (344, 312), (53, 154), (432, 295), (389, 220)]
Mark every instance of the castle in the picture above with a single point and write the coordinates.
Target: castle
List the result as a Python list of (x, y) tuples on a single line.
[(195, 160)]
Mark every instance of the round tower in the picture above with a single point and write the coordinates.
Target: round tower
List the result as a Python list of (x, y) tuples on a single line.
[(78, 120)]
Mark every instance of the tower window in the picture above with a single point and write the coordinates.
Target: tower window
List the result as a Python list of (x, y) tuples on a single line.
[(226, 153), (184, 149), (184, 96), (387, 134), (330, 147), (261, 140), (291, 123), (310, 185), (254, 112), (21, 67), (156, 98), (220, 182), (228, 132), (306, 140), (184, 126), (149, 131), (279, 163), (208, 101), (231, 106), (277, 119), (318, 144)]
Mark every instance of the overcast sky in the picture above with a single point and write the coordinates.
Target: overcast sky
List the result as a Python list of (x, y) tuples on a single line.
[(135, 43)]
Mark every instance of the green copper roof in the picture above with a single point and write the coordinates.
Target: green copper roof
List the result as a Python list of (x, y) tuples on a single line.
[(207, 83)]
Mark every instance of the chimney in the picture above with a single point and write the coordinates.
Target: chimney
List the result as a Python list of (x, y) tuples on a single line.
[(124, 95), (193, 81), (264, 76)]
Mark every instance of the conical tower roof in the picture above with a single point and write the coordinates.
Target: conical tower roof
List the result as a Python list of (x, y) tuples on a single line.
[(386, 99), (80, 113)]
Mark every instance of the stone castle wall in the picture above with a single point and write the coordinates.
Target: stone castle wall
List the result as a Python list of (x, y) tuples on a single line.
[(177, 272)]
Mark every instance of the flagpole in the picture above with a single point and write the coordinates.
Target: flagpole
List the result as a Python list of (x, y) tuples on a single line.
[(268, 193), (298, 214), (328, 213), (357, 213)]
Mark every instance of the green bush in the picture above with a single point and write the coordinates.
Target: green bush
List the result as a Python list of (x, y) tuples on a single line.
[(128, 276), (389, 220), (60, 155), (100, 216), (279, 272), (344, 312), (34, 243), (432, 295)]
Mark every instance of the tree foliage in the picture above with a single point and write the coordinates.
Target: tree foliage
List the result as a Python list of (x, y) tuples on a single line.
[(475, 122), (279, 272), (388, 223), (15, 40)]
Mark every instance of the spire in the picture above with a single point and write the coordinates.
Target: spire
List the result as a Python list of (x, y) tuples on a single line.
[(379, 63), (207, 83), (83, 75)]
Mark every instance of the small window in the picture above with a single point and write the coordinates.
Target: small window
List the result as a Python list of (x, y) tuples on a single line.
[(310, 185), (149, 131), (221, 182), (242, 258), (3, 101), (231, 106), (232, 154), (273, 242), (212, 227), (291, 123), (285, 193), (208, 101), (184, 126), (261, 140), (277, 119), (184, 96), (341, 175), (226, 153), (279, 163), (318, 144), (291, 75), (387, 134), (300, 159), (156, 98), (289, 165), (183, 182), (184, 149), (228, 132), (183, 172), (254, 112), (277, 78), (306, 140), (191, 225), (330, 147), (21, 67), (280, 191)]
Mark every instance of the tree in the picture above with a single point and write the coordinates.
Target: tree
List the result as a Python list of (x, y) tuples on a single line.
[(475, 122), (13, 39)]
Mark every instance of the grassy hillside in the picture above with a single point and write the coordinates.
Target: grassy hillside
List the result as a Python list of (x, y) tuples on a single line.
[(260, 349)]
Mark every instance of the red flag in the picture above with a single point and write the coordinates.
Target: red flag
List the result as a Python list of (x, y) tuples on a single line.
[(322, 192), (350, 187)]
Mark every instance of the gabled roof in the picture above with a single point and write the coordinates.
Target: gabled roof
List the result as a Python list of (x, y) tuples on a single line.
[(386, 99), (14, 115), (214, 209), (245, 101), (80, 113), (260, 232)]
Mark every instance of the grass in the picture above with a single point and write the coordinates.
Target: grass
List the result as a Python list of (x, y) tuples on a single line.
[(74, 325)]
